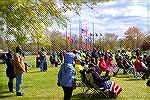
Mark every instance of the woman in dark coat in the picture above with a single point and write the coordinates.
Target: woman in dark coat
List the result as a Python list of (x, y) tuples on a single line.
[(9, 70), (148, 65)]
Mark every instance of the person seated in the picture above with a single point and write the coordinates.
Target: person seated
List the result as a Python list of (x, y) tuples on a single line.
[(102, 82), (92, 63), (103, 66), (148, 65), (111, 67), (129, 66), (148, 83), (120, 65), (78, 67), (148, 61), (83, 77), (141, 67)]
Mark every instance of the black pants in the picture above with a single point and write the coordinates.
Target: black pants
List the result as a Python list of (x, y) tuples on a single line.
[(146, 73), (67, 92), (10, 84)]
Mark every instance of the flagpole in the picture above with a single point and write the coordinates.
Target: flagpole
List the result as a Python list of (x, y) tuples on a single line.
[(86, 37), (70, 29), (79, 33), (100, 39), (66, 40), (70, 37), (80, 38), (93, 34)]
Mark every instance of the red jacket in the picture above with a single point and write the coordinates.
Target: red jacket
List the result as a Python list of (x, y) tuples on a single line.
[(138, 65), (102, 64)]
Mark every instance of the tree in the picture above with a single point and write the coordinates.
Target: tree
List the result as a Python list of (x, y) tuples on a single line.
[(133, 37), (29, 18), (146, 43), (110, 41), (58, 40)]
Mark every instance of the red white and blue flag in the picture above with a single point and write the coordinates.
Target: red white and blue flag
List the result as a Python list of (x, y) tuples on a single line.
[(113, 87), (84, 31)]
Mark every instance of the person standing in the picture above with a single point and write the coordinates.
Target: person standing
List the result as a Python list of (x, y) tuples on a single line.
[(9, 70), (66, 75), (38, 60), (19, 68), (42, 59)]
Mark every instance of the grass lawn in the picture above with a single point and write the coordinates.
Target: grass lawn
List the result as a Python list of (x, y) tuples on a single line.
[(43, 85)]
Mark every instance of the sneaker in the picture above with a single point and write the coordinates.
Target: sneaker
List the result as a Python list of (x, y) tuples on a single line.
[(19, 94)]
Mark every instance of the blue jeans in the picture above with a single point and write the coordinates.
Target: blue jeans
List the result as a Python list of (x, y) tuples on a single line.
[(18, 82), (42, 62)]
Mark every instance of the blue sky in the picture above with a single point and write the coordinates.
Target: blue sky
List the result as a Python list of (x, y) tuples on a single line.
[(111, 17)]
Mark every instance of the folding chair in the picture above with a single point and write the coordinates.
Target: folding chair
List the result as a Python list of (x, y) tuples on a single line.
[(83, 83), (93, 87), (138, 73)]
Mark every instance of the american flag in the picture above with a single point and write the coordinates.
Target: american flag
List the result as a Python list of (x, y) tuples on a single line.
[(113, 87), (88, 39), (70, 39), (84, 31)]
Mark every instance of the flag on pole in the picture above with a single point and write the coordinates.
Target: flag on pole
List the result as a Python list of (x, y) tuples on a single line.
[(91, 34), (70, 39), (101, 34), (96, 34), (74, 39), (88, 39), (84, 31)]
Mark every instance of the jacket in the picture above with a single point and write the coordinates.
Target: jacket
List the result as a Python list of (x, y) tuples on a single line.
[(19, 64), (67, 72)]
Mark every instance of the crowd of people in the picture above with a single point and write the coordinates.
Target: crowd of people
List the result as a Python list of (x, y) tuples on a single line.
[(73, 64), (98, 61), (111, 62)]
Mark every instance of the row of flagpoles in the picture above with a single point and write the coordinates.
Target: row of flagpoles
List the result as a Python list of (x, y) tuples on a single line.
[(84, 36)]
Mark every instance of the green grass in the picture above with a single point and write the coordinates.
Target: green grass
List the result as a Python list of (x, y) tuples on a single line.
[(43, 86)]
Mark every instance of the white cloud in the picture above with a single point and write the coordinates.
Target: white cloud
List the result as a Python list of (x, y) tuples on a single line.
[(70, 13), (132, 1), (115, 17), (85, 18), (135, 11)]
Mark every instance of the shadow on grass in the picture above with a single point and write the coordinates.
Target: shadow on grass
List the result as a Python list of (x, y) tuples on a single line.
[(133, 79), (34, 72), (93, 96), (9, 94), (122, 76), (4, 92)]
